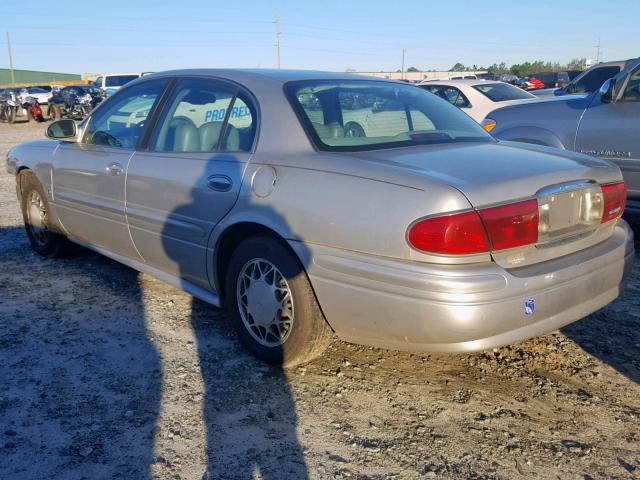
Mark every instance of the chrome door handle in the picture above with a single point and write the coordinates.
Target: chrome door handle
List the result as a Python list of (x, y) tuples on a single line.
[(114, 169)]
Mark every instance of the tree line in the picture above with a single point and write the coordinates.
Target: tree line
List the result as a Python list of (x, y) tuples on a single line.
[(526, 68)]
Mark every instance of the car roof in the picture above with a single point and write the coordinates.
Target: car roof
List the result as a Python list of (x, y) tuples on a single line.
[(453, 83), (258, 74)]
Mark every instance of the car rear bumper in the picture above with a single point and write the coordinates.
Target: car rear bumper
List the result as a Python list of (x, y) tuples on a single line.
[(452, 308)]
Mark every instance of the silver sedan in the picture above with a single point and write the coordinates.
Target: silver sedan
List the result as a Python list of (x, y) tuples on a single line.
[(314, 204)]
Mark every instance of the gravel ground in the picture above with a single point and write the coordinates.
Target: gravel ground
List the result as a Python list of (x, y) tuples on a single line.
[(107, 373)]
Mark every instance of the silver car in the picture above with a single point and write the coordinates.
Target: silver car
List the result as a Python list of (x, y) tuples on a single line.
[(244, 187), (605, 123)]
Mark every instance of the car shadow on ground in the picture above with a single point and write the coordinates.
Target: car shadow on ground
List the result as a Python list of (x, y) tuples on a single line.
[(90, 403), (249, 410), (81, 380)]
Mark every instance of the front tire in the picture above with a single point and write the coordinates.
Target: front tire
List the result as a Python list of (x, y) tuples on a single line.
[(272, 306), (354, 130), (37, 218)]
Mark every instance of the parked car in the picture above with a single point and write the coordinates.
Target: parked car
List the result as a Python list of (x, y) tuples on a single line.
[(588, 81), (573, 73), (531, 83), (553, 79), (41, 95), (604, 123), (477, 97), (239, 191), (111, 82), (500, 77), (46, 88), (463, 77)]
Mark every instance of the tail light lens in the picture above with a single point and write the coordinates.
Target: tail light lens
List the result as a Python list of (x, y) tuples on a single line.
[(614, 200), (512, 225), (497, 228), (494, 228), (457, 234)]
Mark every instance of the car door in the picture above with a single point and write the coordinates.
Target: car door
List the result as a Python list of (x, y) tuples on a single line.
[(190, 175), (611, 130), (88, 176)]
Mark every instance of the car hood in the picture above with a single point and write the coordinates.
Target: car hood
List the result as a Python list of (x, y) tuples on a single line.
[(488, 173)]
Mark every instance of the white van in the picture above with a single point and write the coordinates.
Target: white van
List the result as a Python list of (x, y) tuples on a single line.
[(111, 82)]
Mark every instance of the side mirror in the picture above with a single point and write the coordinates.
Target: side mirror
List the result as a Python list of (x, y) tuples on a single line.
[(64, 128), (607, 91)]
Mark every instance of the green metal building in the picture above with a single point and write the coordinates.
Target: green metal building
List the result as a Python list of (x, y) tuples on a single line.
[(32, 76)]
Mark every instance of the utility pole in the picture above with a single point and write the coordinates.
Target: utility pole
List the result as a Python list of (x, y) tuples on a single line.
[(598, 51), (13, 76), (402, 67), (277, 22)]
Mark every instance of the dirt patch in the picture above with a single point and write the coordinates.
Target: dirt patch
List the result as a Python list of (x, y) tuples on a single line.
[(106, 373)]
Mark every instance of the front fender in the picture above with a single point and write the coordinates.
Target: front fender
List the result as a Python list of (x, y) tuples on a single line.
[(535, 135)]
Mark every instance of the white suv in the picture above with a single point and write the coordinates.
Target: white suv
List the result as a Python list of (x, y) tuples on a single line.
[(111, 82)]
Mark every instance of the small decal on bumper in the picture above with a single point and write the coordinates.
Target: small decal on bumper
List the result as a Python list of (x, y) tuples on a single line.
[(529, 307)]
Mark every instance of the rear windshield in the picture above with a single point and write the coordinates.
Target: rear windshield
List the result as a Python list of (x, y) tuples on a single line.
[(119, 80), (356, 115), (502, 92)]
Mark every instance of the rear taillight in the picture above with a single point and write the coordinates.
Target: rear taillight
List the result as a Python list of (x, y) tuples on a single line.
[(512, 225), (456, 234), (614, 200), (495, 228)]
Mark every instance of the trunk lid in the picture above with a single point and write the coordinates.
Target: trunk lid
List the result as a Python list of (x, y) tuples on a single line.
[(565, 184)]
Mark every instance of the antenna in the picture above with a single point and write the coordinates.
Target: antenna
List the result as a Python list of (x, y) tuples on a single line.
[(597, 51), (402, 66)]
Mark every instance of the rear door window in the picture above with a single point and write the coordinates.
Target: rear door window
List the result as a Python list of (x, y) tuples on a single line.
[(205, 116), (502, 92), (450, 94)]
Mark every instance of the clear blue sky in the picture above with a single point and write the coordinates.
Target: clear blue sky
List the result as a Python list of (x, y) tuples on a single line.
[(139, 35)]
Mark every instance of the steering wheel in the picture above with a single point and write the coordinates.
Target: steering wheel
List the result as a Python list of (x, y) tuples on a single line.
[(101, 137)]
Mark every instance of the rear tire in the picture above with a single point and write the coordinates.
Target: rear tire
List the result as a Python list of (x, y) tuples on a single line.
[(37, 219), (271, 304), (54, 113), (11, 115)]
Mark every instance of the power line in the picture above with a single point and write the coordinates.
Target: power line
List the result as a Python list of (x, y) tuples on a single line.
[(277, 24)]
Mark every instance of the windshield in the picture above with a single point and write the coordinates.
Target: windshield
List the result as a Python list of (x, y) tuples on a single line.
[(356, 115), (119, 80), (36, 90), (502, 92)]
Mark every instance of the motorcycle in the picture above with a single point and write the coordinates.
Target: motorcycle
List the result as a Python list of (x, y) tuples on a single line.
[(72, 103), (33, 108), (9, 106)]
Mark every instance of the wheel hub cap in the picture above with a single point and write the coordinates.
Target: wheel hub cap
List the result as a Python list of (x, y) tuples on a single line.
[(265, 302), (36, 214)]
